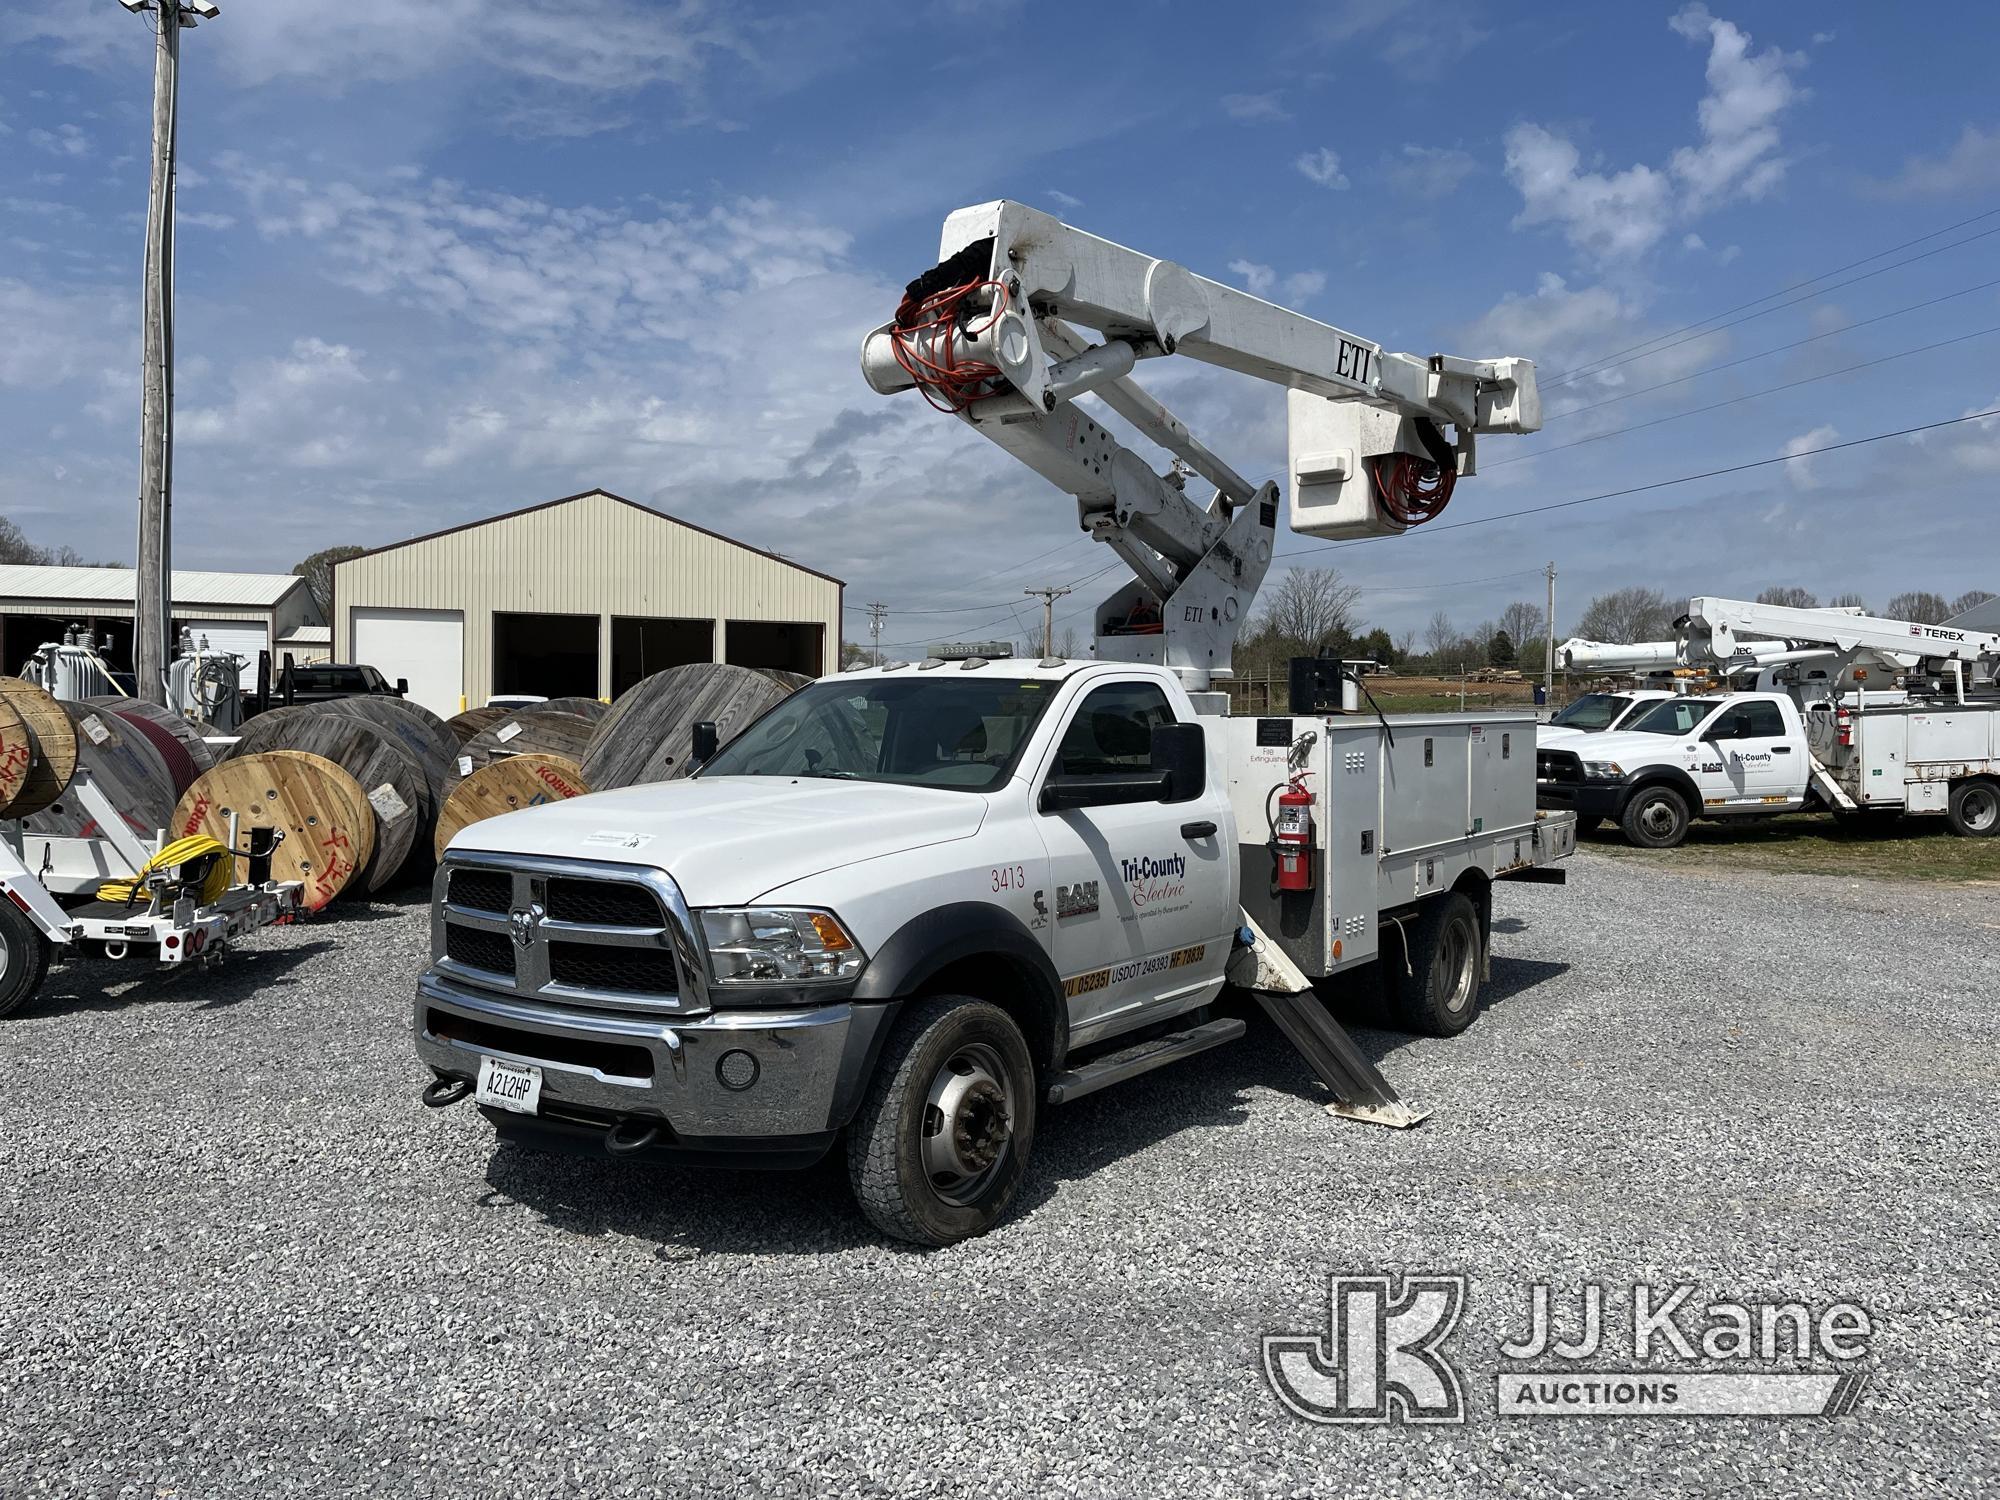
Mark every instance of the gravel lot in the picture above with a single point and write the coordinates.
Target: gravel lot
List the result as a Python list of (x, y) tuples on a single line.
[(240, 1258)]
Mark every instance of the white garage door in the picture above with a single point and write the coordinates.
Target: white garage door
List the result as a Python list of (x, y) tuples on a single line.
[(244, 638), (425, 645)]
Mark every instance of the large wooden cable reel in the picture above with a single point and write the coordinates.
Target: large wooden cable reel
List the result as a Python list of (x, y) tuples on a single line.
[(328, 825)]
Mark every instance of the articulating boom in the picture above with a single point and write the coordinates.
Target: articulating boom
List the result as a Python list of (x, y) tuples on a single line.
[(989, 335)]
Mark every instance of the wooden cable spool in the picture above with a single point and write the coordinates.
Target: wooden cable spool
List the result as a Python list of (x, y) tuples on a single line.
[(508, 785), (178, 725), (17, 753), (326, 819), (392, 780), (420, 731), (532, 731), (180, 765), (124, 765), (52, 761), (592, 709), (464, 726), (649, 733)]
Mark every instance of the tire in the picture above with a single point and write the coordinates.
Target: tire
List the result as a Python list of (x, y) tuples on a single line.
[(1439, 996), (1974, 810), (24, 957), (949, 1059), (1587, 825), (1654, 817)]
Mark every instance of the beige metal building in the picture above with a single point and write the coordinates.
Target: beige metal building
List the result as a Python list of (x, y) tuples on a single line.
[(240, 612), (583, 595)]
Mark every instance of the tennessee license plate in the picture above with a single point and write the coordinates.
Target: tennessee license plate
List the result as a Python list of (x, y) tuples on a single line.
[(507, 1085)]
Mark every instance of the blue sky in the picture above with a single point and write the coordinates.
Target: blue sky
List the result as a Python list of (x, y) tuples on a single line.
[(441, 258)]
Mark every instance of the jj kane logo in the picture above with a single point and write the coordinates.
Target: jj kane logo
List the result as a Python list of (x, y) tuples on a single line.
[(1382, 1356)]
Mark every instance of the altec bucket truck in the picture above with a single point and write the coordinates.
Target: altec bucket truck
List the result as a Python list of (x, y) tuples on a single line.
[(912, 907)]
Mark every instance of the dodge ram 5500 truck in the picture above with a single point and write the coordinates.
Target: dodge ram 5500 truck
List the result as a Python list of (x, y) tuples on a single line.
[(915, 905)]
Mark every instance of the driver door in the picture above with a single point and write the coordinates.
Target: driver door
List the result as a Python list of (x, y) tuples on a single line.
[(1755, 751), (1140, 909)]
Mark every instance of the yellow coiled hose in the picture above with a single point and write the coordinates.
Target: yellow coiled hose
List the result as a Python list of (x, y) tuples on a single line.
[(214, 883)]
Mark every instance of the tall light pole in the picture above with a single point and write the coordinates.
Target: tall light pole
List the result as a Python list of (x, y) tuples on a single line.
[(1549, 661), (152, 604)]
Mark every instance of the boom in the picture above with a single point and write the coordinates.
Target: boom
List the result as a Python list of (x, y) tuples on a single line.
[(990, 335)]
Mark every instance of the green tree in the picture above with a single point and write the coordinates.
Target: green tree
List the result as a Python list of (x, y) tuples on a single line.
[(1500, 650)]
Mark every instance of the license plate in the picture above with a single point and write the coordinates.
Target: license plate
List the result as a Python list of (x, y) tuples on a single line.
[(506, 1085)]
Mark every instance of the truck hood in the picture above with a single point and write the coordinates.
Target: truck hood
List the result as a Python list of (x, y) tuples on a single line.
[(729, 839), (1627, 748)]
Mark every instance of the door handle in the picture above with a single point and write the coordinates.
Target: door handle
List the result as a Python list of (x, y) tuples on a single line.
[(1199, 830), (1781, 749)]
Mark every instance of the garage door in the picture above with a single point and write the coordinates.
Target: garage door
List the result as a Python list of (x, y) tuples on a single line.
[(425, 645), (244, 638)]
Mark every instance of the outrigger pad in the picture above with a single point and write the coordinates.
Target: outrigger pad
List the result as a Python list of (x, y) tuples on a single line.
[(1358, 1085)]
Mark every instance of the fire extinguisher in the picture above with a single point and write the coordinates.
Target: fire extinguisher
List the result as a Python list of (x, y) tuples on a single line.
[(1292, 836)]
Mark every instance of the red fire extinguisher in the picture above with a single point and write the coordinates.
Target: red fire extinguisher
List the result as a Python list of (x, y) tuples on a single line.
[(1292, 836)]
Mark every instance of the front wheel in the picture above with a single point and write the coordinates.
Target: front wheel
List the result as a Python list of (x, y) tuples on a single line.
[(1974, 811), (1655, 817), (940, 1144), (24, 957)]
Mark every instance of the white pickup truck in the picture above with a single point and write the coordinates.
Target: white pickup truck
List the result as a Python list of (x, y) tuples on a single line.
[(1598, 713), (915, 905), (1736, 755)]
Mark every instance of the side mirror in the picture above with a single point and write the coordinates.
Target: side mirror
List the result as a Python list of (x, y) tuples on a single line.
[(706, 742), (1180, 753), (402, 687)]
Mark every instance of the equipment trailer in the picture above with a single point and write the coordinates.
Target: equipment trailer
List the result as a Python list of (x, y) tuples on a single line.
[(913, 905), (175, 902)]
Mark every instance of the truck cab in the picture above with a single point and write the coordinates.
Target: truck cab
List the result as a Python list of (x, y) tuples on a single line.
[(1598, 713), (890, 905), (1735, 755)]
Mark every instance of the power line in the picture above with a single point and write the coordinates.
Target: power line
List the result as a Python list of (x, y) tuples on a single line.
[(1795, 286), (1773, 390), (1700, 332)]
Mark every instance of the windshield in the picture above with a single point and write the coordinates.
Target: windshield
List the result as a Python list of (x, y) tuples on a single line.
[(1592, 711), (914, 731), (1674, 716)]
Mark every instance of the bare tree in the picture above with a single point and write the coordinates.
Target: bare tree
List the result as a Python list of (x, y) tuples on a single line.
[(1522, 620), (1848, 601), (1406, 642), (1626, 615), (1920, 606), (1066, 646), (1440, 635), (15, 546), (1788, 597), (1970, 599), (1311, 609)]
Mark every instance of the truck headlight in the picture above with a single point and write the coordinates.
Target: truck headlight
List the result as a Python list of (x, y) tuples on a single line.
[(778, 945), (1603, 770)]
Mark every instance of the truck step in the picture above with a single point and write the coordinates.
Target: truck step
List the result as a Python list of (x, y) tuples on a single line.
[(1359, 1089), (1142, 1058)]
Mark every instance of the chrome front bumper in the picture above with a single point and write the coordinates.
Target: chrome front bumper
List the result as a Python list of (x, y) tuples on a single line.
[(811, 1064)]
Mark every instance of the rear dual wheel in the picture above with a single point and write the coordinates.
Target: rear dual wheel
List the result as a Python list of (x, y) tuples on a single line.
[(1974, 809), (24, 957), (1435, 991)]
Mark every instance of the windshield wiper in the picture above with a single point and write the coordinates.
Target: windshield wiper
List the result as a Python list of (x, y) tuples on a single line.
[(834, 775)]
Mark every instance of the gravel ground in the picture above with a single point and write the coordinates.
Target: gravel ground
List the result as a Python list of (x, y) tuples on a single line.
[(240, 1259)]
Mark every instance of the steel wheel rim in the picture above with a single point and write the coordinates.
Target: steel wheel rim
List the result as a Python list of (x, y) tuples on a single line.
[(6, 955), (1657, 817), (967, 1131), (1981, 808), (1455, 954)]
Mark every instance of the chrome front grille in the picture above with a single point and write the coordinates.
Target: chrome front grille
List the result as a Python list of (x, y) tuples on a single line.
[(578, 932)]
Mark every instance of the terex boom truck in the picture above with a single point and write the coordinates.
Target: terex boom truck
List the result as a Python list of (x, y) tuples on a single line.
[(915, 905), (1846, 711)]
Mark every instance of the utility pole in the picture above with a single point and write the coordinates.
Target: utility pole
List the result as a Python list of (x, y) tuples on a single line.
[(877, 613), (1549, 661), (1048, 598), (152, 604)]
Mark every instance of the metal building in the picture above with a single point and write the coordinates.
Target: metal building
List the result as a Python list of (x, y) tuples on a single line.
[(240, 612), (582, 595)]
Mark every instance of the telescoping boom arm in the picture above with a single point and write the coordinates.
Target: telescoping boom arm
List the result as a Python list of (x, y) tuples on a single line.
[(991, 335)]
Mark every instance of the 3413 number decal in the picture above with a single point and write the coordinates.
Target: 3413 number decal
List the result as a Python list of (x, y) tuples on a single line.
[(1010, 878)]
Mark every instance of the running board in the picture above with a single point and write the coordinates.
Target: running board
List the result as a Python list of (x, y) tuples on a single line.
[(1359, 1088), (1142, 1058)]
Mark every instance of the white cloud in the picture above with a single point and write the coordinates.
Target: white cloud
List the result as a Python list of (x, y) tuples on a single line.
[(1064, 200), (64, 140), (1799, 472), (1323, 167), (1263, 281), (1693, 243), (1429, 171), (1971, 166), (1252, 107), (1619, 215), (57, 335), (1417, 40)]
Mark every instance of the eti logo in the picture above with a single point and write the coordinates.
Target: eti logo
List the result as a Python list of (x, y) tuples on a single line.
[(1378, 1361)]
